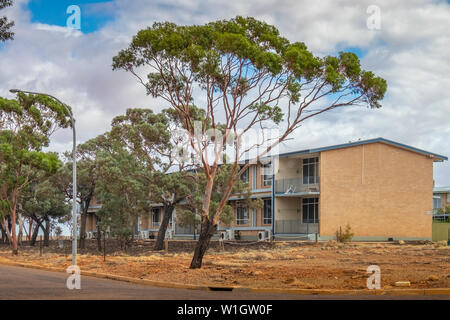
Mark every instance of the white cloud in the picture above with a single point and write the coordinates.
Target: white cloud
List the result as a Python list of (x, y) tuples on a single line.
[(411, 51)]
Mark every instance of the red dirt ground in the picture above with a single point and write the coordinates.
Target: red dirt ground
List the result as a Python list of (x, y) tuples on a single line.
[(292, 265)]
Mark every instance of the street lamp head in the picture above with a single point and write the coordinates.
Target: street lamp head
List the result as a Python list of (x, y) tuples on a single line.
[(14, 90)]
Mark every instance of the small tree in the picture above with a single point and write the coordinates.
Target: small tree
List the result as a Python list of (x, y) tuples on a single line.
[(26, 125), (243, 75), (148, 137), (44, 203), (344, 236), (58, 231), (86, 179), (121, 190)]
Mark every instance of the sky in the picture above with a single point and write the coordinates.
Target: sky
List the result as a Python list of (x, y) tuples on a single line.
[(410, 49)]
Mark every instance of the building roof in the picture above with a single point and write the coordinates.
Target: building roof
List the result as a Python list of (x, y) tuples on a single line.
[(437, 157), (441, 189)]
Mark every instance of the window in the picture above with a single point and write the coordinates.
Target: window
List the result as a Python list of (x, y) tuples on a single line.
[(267, 212), (266, 171), (310, 210), (245, 176), (155, 217), (436, 203), (311, 170), (448, 197), (241, 215)]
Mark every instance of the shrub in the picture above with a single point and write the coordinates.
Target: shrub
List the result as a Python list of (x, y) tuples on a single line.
[(345, 236)]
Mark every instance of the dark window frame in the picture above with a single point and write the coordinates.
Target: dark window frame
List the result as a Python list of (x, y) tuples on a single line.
[(267, 178), (310, 170), (245, 176), (310, 210), (242, 210), (156, 212), (267, 212)]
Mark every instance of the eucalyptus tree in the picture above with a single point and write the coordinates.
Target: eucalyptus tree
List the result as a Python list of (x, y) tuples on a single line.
[(86, 178), (45, 204), (26, 124), (5, 24), (148, 137), (244, 75), (122, 191)]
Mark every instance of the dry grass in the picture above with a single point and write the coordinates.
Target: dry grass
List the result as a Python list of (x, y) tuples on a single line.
[(281, 265)]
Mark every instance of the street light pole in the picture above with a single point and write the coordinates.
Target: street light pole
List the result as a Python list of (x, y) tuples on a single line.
[(74, 177)]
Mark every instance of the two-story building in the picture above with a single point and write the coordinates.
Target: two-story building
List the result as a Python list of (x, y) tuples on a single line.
[(381, 188)]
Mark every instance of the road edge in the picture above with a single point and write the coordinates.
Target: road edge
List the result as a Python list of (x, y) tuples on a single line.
[(388, 292)]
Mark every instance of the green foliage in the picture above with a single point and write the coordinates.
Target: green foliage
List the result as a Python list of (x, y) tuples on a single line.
[(58, 231), (5, 25), (26, 125), (149, 138), (121, 189), (344, 236), (44, 200), (202, 51)]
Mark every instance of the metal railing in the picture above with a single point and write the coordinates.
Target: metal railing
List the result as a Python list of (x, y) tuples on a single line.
[(295, 226), (444, 217), (296, 185), (181, 229)]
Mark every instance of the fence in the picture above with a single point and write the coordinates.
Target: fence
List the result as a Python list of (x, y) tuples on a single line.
[(295, 226), (441, 231)]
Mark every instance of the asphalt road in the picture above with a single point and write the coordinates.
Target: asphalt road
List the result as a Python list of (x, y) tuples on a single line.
[(24, 283)]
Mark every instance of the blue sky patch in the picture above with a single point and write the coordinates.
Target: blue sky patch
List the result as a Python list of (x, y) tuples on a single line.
[(94, 14), (360, 52)]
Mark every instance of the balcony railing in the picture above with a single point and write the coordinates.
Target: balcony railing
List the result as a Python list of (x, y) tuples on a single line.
[(295, 226), (184, 229), (297, 185), (443, 217)]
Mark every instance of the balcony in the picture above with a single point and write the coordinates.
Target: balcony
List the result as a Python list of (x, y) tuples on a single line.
[(296, 186), (295, 227)]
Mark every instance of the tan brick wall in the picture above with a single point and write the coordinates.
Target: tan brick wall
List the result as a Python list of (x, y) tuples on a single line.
[(385, 195)]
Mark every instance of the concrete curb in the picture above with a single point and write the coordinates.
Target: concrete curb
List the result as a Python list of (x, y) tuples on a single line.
[(387, 292)]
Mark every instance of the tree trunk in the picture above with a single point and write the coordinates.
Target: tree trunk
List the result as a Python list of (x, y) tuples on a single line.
[(99, 234), (83, 225), (206, 233), (35, 234), (30, 225), (159, 244), (19, 239), (47, 232), (5, 238), (15, 250)]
